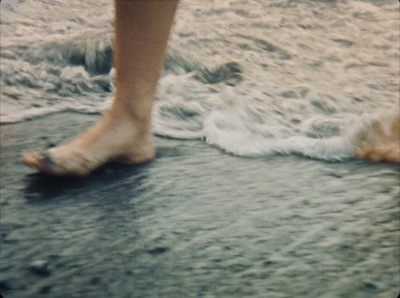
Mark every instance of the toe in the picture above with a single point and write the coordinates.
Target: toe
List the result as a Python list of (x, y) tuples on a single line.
[(393, 156), (40, 160), (388, 153), (373, 157), (29, 158), (32, 158)]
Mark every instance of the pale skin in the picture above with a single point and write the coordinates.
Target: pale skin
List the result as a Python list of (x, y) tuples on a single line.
[(382, 144), (124, 133)]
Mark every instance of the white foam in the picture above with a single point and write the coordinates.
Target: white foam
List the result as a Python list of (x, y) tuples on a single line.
[(235, 137), (297, 85)]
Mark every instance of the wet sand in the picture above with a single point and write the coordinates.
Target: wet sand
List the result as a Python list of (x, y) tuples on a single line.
[(196, 222)]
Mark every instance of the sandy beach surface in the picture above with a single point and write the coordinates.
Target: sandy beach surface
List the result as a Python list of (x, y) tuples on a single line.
[(249, 78), (196, 222)]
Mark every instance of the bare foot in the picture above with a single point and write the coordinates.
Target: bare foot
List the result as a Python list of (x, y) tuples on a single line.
[(110, 139), (381, 143)]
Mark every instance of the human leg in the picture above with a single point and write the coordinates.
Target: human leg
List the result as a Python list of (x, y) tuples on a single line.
[(123, 134)]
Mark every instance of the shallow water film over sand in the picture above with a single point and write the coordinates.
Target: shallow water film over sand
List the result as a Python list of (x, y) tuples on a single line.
[(250, 77), (247, 77), (196, 223)]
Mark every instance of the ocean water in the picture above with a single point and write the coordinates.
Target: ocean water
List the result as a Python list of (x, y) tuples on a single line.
[(251, 77)]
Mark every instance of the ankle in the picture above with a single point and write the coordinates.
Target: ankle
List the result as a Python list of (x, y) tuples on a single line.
[(139, 115)]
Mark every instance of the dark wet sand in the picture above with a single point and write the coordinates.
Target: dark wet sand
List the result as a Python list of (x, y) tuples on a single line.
[(196, 223)]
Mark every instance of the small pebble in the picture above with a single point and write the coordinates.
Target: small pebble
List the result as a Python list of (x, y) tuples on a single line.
[(40, 267), (128, 272), (157, 250), (370, 286), (95, 280), (45, 289), (268, 263)]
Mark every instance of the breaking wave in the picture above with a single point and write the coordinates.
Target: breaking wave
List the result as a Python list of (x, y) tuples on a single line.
[(268, 77)]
